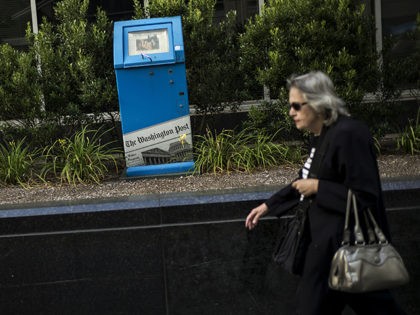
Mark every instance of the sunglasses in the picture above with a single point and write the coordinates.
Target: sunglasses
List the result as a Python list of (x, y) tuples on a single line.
[(297, 106)]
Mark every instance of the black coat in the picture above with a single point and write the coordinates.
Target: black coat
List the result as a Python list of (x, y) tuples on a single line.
[(349, 162)]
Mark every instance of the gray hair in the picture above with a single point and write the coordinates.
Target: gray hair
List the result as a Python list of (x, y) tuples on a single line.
[(318, 90)]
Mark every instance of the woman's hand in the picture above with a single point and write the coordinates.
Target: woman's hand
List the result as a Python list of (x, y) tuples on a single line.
[(306, 187), (254, 216)]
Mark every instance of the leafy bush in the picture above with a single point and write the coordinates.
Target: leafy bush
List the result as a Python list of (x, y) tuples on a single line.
[(80, 159), (243, 151), (77, 74), (300, 36), (66, 74), (297, 37), (270, 117), (16, 163), (38, 133), (20, 95)]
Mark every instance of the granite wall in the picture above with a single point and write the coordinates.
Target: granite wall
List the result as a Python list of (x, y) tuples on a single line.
[(172, 254)]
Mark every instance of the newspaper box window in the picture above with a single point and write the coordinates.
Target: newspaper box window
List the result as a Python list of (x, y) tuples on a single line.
[(149, 65)]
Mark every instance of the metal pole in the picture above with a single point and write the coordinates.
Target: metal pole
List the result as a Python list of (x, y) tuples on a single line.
[(378, 26), (38, 58), (266, 90), (260, 5), (34, 17), (146, 5)]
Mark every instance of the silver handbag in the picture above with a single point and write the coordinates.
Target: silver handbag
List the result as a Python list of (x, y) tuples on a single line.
[(362, 267)]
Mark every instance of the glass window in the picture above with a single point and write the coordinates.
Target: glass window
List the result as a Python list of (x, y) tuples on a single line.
[(116, 10), (14, 16), (401, 42), (399, 22)]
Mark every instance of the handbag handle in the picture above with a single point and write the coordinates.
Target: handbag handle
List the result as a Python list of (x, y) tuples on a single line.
[(378, 232), (359, 239), (370, 232), (358, 234)]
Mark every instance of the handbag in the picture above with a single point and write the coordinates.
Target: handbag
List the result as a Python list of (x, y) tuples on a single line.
[(290, 249), (361, 267)]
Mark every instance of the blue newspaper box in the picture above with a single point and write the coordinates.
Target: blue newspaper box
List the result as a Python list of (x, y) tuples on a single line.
[(149, 63)]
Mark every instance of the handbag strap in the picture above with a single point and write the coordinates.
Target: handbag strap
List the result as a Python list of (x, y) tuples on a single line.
[(346, 232), (370, 232), (378, 232), (359, 239), (358, 234)]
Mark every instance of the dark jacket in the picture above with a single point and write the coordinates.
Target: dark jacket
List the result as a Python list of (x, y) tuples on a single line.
[(349, 161)]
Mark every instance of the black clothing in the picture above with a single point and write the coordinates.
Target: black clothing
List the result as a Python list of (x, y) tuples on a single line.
[(349, 162)]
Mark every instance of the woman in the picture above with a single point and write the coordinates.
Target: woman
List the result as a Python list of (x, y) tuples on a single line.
[(348, 162)]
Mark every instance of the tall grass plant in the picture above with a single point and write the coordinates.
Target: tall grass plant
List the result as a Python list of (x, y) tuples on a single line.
[(16, 163), (409, 141), (244, 151), (80, 159)]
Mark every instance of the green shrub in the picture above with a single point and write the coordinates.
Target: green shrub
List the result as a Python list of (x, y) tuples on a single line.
[(16, 163), (80, 159), (272, 118), (66, 74), (244, 151), (75, 55), (38, 133), (300, 36), (20, 95)]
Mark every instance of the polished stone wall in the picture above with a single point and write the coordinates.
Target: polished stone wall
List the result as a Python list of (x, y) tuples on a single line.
[(171, 254)]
